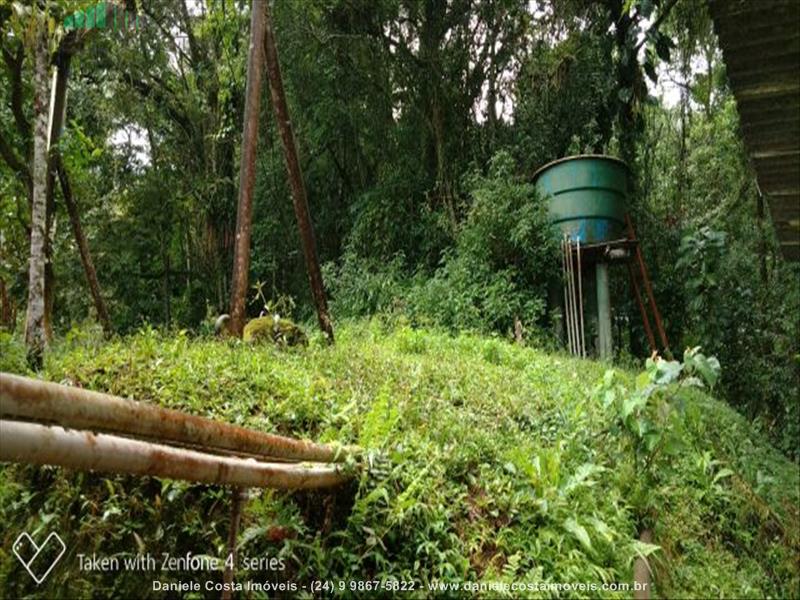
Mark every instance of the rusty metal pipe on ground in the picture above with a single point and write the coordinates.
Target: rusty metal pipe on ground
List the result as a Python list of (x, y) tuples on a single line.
[(31, 399), (52, 445)]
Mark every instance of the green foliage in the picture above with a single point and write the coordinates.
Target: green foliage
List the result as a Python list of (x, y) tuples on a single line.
[(12, 354), (752, 326), (507, 226), (365, 286), (465, 293), (502, 262), (563, 100), (497, 271), (699, 257), (717, 273), (489, 462), (651, 415)]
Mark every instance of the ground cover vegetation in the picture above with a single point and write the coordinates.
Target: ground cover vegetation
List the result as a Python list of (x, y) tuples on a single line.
[(494, 462)]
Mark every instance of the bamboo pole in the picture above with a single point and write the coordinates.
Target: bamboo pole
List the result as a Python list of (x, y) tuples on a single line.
[(21, 397), (43, 445)]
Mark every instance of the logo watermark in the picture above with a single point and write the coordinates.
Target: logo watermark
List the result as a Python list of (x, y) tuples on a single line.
[(105, 15), (38, 560)]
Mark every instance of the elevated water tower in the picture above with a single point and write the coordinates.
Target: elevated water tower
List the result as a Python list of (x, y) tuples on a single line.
[(588, 202)]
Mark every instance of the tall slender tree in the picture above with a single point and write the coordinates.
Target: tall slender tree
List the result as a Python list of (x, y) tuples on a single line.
[(299, 198), (247, 169), (56, 168), (83, 248), (35, 337)]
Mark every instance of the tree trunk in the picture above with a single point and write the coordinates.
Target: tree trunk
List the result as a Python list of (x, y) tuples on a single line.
[(443, 187), (628, 75), (6, 310), (682, 156), (83, 248), (762, 240), (708, 50), (683, 179), (247, 169), (49, 277), (166, 285), (56, 169), (35, 338), (56, 120), (296, 179), (491, 96)]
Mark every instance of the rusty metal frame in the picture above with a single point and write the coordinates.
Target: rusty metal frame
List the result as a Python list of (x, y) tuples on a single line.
[(648, 288), (651, 340)]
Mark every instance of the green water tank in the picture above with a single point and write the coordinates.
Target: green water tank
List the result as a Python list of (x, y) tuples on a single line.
[(587, 196)]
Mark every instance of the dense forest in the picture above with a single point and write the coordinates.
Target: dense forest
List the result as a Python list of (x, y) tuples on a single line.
[(418, 126)]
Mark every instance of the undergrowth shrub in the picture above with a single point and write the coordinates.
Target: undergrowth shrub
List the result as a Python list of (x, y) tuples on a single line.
[(364, 286), (496, 272), (12, 353)]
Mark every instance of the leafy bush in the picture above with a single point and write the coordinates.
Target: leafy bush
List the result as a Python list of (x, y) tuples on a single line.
[(467, 294), (498, 270), (362, 286), (502, 262), (12, 354)]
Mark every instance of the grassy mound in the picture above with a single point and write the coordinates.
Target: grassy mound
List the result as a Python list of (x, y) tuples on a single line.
[(502, 467)]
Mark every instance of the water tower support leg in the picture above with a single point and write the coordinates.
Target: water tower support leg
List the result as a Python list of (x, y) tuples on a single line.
[(605, 346)]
